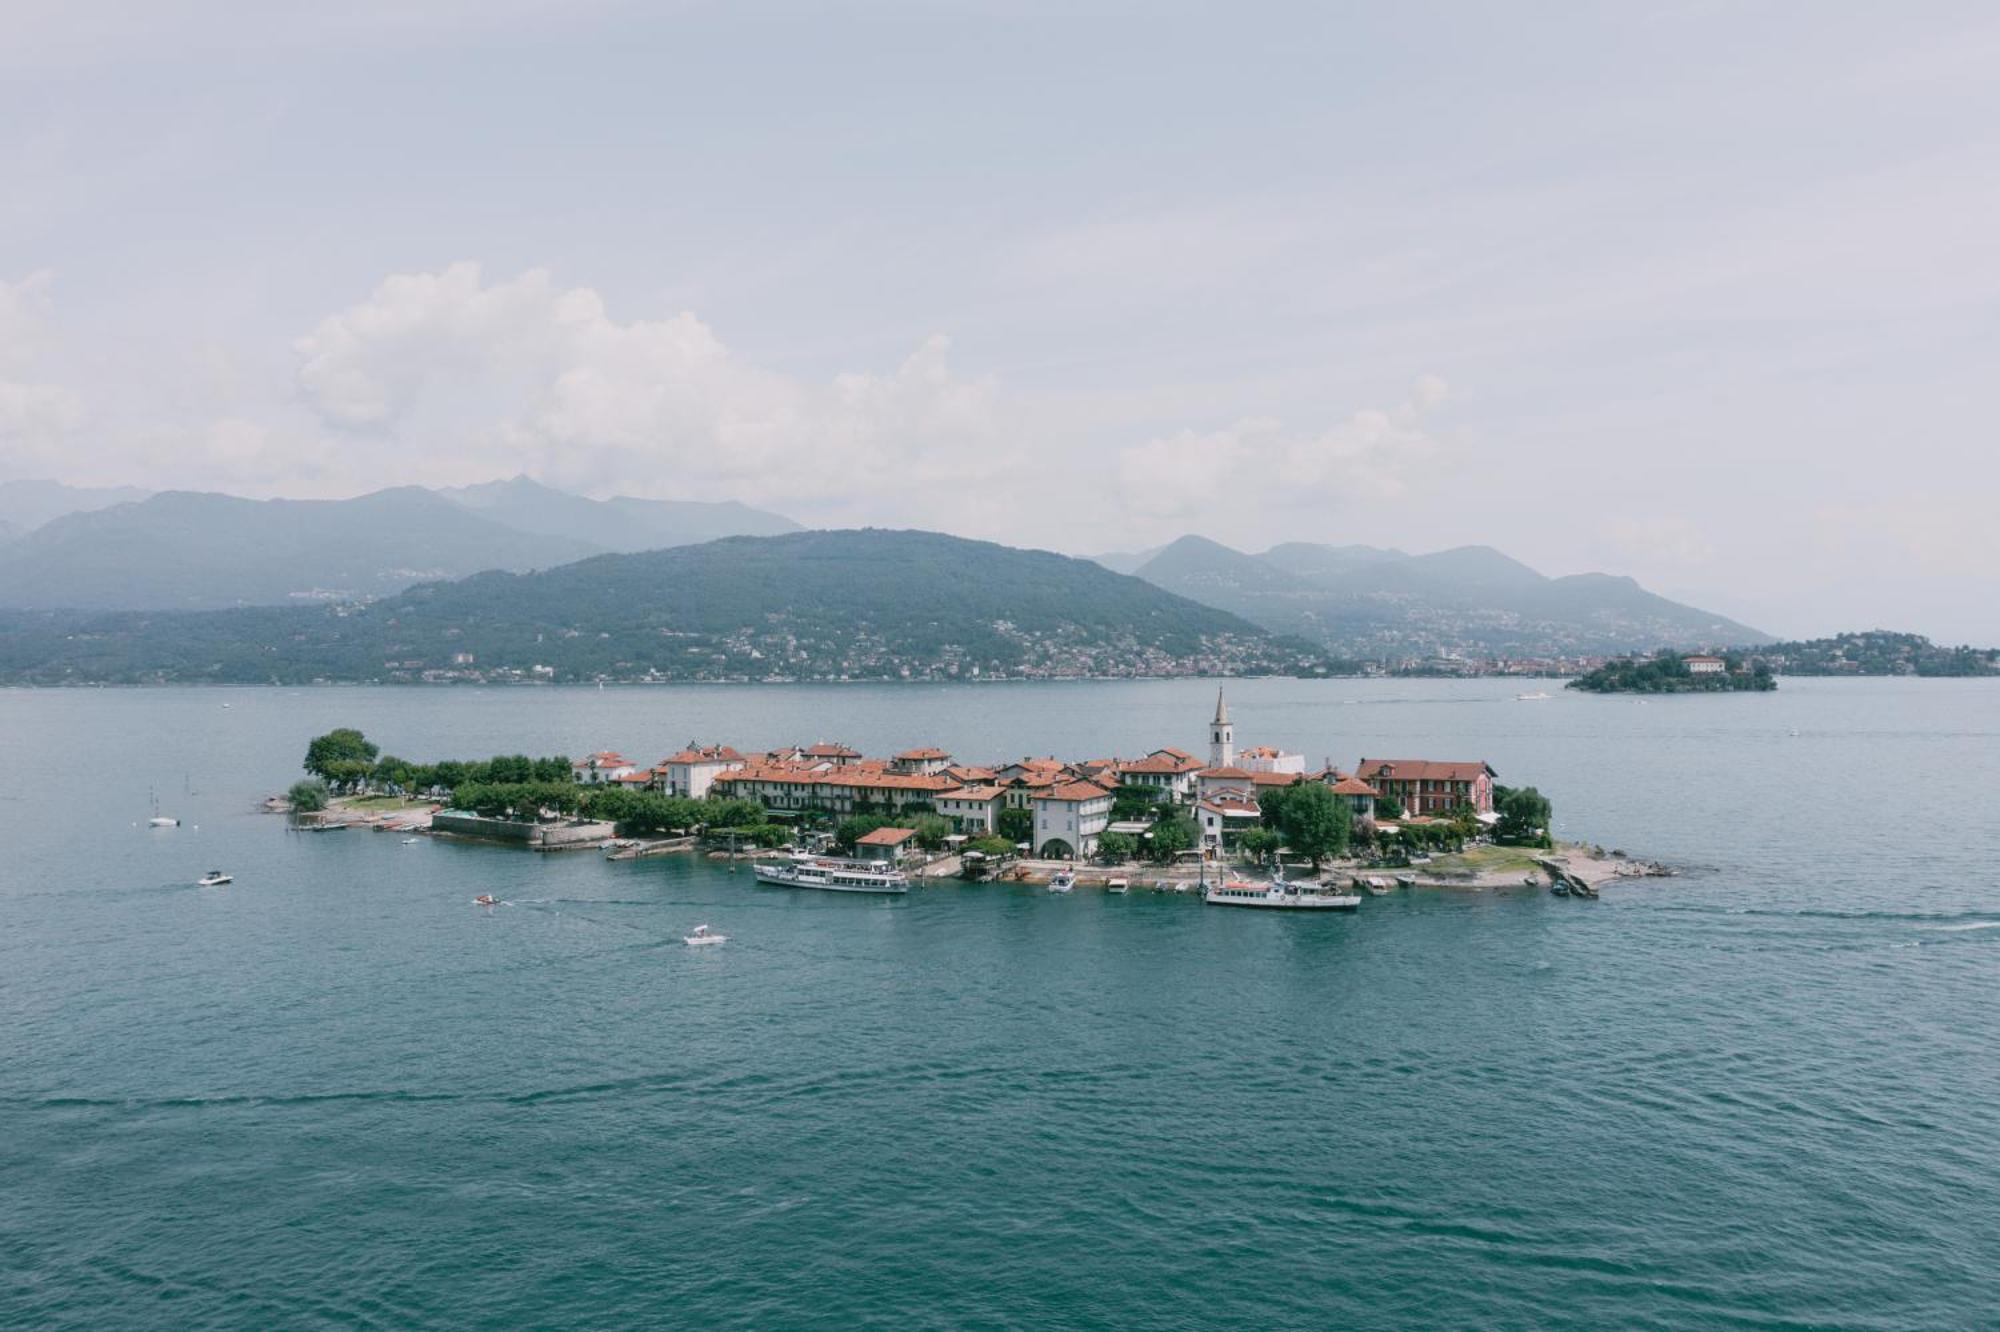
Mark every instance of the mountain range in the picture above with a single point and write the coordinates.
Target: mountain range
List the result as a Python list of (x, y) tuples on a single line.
[(190, 550), (1375, 603), (809, 605)]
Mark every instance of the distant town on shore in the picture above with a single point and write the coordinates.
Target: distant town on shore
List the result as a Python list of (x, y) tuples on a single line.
[(512, 582)]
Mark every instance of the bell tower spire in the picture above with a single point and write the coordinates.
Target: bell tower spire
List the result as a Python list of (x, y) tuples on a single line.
[(1221, 735)]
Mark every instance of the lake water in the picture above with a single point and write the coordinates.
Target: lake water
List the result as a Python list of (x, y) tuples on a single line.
[(335, 1094)]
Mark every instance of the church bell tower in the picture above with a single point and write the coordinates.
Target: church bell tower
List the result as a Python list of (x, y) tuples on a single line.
[(1221, 736)]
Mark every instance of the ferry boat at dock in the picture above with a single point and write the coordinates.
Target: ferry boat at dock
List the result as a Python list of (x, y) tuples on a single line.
[(1278, 894), (834, 876)]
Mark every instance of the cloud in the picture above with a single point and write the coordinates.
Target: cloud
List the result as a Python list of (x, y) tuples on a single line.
[(543, 379), (1372, 456)]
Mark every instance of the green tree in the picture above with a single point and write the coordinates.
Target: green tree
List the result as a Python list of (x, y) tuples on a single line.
[(1134, 802), (1016, 825), (991, 846), (308, 795), (341, 745), (855, 827), (931, 830), (1315, 822), (1117, 847), (1259, 843), (1388, 807), (1172, 835), (1525, 815)]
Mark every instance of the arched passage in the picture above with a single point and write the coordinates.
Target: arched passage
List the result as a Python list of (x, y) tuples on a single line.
[(1057, 849)]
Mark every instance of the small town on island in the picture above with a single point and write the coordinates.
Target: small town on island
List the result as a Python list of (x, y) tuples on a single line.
[(1242, 825)]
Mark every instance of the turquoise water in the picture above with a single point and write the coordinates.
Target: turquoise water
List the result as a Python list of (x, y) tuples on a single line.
[(336, 1094)]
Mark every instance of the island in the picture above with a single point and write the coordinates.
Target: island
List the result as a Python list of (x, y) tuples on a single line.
[(1166, 819), (1674, 673)]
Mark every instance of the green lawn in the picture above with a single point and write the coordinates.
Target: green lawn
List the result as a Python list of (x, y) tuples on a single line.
[(1487, 860)]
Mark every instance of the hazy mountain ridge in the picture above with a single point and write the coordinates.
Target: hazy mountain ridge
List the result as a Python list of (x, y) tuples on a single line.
[(868, 604), (199, 550), (1368, 602), (27, 505), (618, 524)]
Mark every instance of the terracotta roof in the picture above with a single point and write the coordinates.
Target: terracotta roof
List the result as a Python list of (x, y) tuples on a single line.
[(925, 753), (825, 750), (1354, 786), (1076, 791), (1422, 770), (1227, 774), (979, 793), (704, 754), (886, 837), (968, 773), (1161, 760), (603, 758), (1276, 778), (1232, 805)]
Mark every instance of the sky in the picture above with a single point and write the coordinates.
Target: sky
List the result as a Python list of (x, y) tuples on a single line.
[(1707, 294)]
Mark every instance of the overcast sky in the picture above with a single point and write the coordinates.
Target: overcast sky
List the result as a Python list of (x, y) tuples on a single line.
[(1703, 293)]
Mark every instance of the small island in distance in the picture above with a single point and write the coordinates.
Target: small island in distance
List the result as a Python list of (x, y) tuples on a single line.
[(1673, 673)]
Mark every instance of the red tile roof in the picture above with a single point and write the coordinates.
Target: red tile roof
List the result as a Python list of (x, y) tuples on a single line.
[(1354, 786), (1422, 770), (886, 837), (1075, 792), (925, 753)]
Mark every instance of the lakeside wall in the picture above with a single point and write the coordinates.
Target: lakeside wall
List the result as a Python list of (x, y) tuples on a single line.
[(522, 832)]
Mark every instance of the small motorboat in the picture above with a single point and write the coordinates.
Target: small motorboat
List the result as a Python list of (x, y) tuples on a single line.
[(1406, 880), (411, 841), (214, 879), (1535, 697), (486, 899), (1117, 886), (703, 936), (1063, 881), (162, 821), (1559, 888)]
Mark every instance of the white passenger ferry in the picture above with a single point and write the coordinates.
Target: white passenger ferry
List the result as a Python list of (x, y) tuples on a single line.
[(837, 876), (1276, 893)]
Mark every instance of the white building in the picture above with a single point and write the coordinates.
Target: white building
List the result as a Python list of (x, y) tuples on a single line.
[(1705, 665), (692, 771), (973, 809), (604, 766), (1069, 819), (1228, 814), (1263, 758)]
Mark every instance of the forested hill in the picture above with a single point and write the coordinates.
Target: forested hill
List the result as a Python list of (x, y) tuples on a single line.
[(1878, 652), (810, 605)]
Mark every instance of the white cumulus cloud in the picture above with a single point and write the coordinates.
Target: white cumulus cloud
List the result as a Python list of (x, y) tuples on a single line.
[(1262, 462), (544, 379)]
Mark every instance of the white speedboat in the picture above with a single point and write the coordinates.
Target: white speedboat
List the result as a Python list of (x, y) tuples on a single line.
[(1277, 894), (1063, 881), (411, 841), (1535, 697), (703, 936), (835, 876), (214, 879)]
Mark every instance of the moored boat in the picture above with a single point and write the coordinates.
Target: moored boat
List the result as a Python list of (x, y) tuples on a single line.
[(1063, 881), (1278, 894), (834, 876), (1117, 885)]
